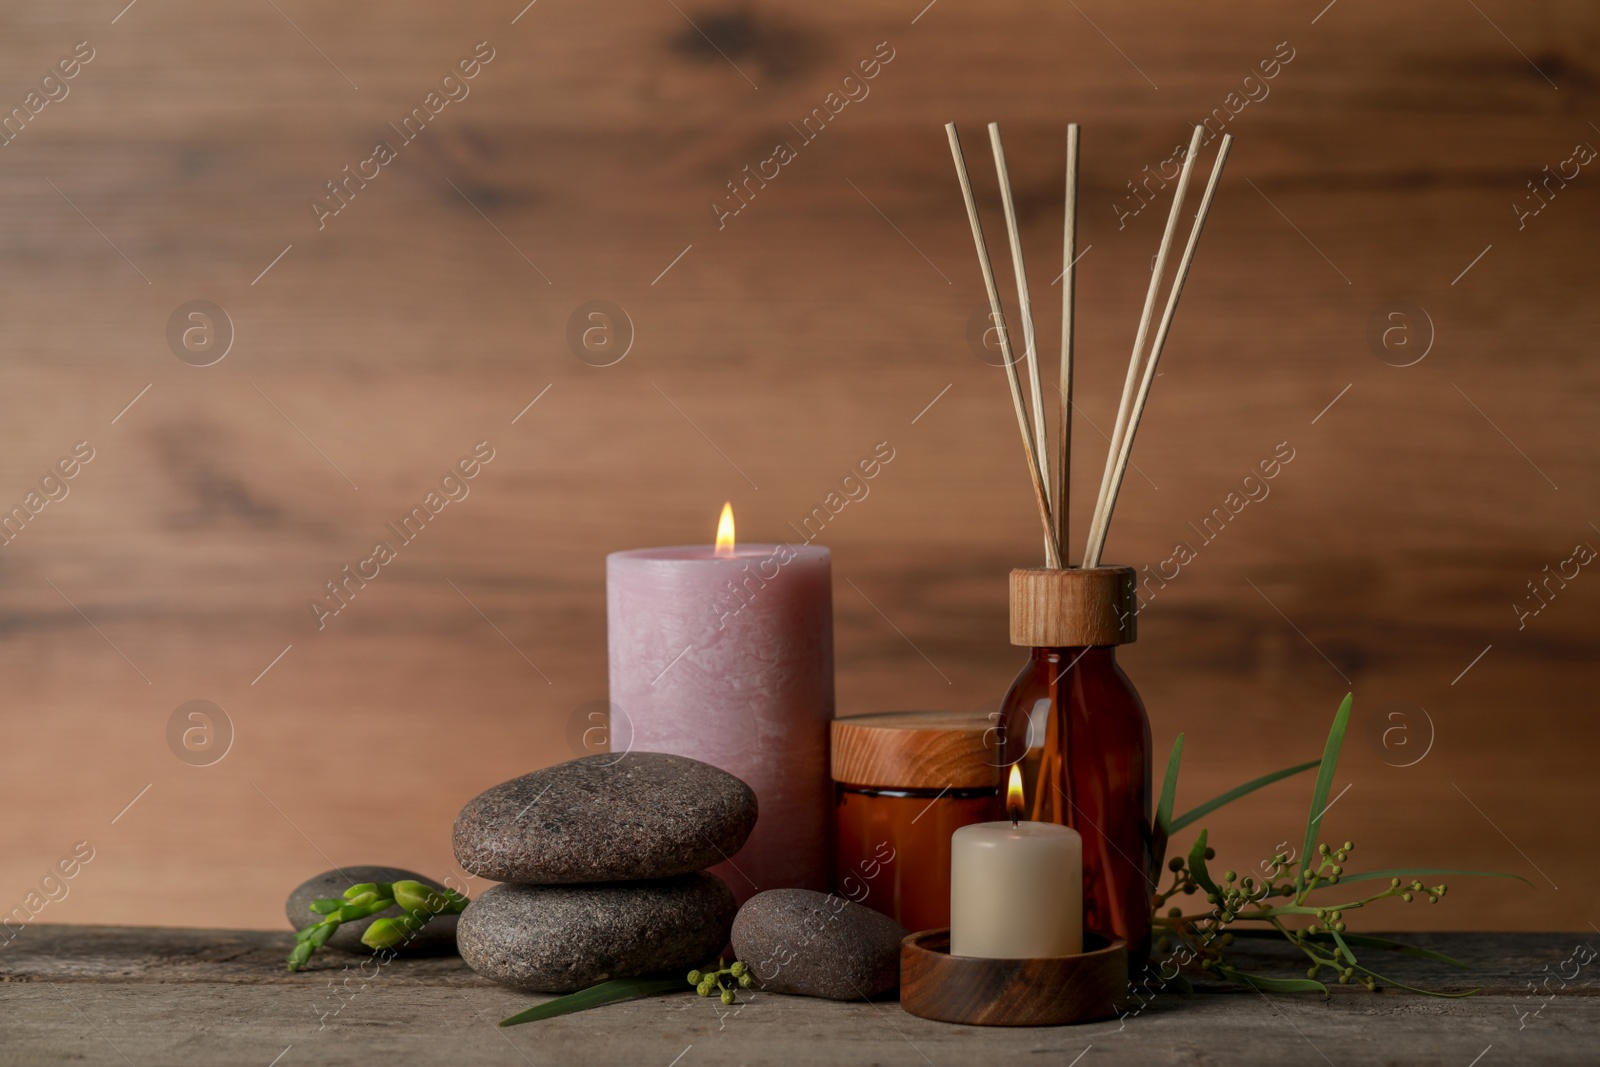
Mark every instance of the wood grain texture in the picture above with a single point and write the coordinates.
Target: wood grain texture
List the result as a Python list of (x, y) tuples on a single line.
[(914, 750), (93, 995), (831, 313), (1074, 607), (1088, 987)]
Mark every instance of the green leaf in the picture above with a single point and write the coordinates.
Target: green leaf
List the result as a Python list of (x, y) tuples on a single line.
[(1163, 824), (1169, 787), (1414, 989), (325, 907), (1177, 983), (1319, 795), (612, 992), (1273, 985), (1412, 872), (1197, 865), (1235, 793), (1362, 941), (1351, 956), (1368, 941)]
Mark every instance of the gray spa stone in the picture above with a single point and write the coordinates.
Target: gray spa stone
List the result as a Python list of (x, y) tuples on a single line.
[(817, 945), (605, 818), (437, 938), (559, 939)]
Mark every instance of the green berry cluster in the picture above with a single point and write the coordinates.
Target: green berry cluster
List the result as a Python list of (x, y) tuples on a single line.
[(417, 902), (721, 981)]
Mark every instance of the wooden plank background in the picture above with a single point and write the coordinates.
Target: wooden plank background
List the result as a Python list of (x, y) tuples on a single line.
[(774, 353)]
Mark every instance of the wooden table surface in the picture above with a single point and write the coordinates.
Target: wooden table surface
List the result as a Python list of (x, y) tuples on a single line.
[(147, 995)]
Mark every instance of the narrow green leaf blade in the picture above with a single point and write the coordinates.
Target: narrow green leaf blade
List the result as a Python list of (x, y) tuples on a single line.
[(1361, 941), (1414, 989), (1169, 787), (1368, 941), (1344, 947), (1403, 873), (612, 992), (1161, 832), (1180, 984), (1238, 791), (1319, 795), (1273, 985), (1197, 865)]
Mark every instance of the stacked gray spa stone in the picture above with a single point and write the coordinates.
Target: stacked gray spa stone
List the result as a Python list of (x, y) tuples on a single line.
[(603, 862)]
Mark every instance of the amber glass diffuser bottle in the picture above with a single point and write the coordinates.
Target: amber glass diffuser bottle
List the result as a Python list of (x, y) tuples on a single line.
[(1094, 765)]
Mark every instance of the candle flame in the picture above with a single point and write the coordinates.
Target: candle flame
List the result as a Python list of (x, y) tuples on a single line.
[(1014, 794), (725, 531)]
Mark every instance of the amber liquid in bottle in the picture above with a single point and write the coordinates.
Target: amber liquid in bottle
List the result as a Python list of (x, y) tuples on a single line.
[(1094, 776)]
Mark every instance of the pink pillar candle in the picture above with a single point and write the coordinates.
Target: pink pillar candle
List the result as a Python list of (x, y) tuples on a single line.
[(727, 657)]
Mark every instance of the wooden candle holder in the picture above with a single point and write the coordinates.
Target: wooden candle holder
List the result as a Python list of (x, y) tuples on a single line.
[(1036, 992)]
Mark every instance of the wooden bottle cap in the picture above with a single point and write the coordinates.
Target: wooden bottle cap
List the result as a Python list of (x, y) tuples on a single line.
[(1073, 607), (915, 750)]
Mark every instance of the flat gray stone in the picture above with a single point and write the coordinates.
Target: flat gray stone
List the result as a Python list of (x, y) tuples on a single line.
[(437, 938), (817, 945), (559, 939), (606, 818)]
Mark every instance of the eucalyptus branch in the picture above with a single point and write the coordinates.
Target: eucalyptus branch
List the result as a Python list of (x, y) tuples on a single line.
[(1304, 918)]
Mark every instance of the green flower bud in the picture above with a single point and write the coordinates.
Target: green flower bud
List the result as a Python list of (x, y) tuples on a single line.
[(1173, 913), (1406, 897), (327, 906), (727, 996), (737, 968), (704, 988), (1228, 876), (746, 981), (1394, 883), (1348, 846), (694, 977), (1175, 864), (387, 933), (415, 896), (363, 906)]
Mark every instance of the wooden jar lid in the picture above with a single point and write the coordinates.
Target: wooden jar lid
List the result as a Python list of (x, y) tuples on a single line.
[(915, 750), (1073, 607)]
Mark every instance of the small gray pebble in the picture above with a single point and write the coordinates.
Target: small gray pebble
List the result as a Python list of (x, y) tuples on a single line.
[(817, 945), (606, 818), (437, 938), (559, 939)]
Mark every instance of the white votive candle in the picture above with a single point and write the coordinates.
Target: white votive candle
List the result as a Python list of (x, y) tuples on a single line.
[(1016, 889)]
